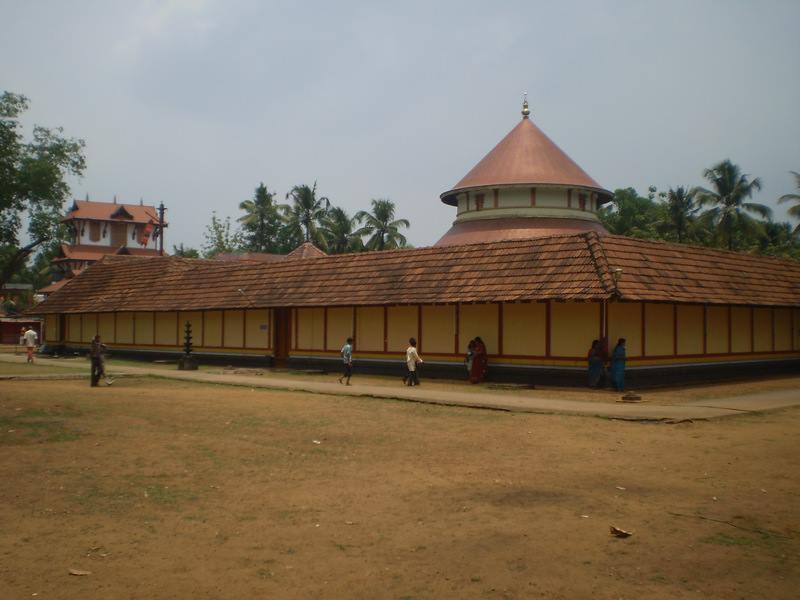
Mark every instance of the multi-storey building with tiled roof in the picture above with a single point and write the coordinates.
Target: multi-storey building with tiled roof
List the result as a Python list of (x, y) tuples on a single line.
[(99, 229), (526, 265)]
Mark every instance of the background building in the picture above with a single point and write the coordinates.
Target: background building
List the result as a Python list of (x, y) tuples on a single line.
[(98, 229)]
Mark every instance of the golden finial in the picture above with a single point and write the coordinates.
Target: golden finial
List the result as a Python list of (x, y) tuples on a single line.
[(525, 110)]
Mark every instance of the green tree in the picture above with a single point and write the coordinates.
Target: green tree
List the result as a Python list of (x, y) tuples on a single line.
[(306, 214), (338, 229), (261, 222), (778, 240), (680, 218), (185, 252), (381, 227), (730, 190), (219, 237), (794, 211), (33, 184), (631, 214)]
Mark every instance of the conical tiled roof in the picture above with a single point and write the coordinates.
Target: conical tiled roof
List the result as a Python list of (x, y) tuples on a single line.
[(526, 156)]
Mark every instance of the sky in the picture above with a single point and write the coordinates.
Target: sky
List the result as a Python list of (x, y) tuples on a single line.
[(195, 102)]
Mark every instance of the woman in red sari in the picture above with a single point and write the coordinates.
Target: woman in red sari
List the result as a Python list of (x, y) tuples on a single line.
[(479, 362)]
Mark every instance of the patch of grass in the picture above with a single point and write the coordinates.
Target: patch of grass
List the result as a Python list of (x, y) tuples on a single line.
[(21, 430), (772, 544), (22, 369), (123, 495)]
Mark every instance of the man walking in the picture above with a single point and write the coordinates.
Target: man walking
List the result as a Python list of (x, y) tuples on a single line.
[(98, 363), (31, 339), (347, 358)]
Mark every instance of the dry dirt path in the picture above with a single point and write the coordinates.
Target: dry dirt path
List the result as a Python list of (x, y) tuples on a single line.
[(700, 409)]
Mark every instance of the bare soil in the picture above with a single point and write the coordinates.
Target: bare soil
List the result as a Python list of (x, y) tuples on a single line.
[(178, 490)]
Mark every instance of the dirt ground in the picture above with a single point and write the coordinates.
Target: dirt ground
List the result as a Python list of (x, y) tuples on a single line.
[(178, 490), (668, 395)]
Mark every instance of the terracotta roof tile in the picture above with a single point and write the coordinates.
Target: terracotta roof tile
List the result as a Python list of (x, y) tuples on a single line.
[(89, 252), (569, 267), (104, 211)]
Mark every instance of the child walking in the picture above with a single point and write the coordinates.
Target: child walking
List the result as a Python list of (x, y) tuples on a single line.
[(412, 360), (347, 358)]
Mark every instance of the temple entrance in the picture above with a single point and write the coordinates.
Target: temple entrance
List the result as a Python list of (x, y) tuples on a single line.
[(282, 335)]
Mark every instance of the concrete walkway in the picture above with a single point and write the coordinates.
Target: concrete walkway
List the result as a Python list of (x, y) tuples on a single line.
[(701, 409)]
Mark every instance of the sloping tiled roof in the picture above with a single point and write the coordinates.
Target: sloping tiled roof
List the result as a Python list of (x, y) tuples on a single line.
[(559, 268), (306, 250), (89, 252), (566, 267), (252, 256), (526, 156), (104, 211), (659, 271)]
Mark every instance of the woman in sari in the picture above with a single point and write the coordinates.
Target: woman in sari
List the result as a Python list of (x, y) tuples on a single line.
[(596, 361), (479, 362), (618, 366)]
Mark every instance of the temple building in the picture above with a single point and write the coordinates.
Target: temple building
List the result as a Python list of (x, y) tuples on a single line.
[(526, 265), (98, 229)]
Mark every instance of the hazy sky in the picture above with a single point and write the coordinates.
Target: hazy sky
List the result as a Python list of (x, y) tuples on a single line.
[(193, 103)]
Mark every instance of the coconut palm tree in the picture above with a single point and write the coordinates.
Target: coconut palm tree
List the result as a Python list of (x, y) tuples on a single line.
[(794, 211), (261, 221), (731, 189), (338, 229), (305, 215), (381, 226), (680, 212)]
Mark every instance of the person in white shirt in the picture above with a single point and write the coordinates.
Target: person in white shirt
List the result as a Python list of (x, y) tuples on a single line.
[(347, 358), (31, 338), (412, 360)]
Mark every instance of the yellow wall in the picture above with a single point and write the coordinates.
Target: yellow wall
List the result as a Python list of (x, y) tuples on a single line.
[(740, 329), (89, 327), (573, 326), (796, 321), (234, 329), (213, 329), (257, 328), (105, 327), (625, 321), (73, 328), (369, 329), (144, 328), (124, 328), (196, 319), (690, 329), (783, 329), (51, 332), (403, 324), (310, 324), (438, 329), (340, 327), (717, 330), (762, 329), (479, 320), (166, 328), (658, 330), (524, 329)]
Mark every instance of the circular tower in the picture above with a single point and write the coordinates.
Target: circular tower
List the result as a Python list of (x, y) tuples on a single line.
[(525, 187)]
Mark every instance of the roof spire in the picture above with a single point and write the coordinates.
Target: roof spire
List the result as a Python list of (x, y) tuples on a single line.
[(525, 110)]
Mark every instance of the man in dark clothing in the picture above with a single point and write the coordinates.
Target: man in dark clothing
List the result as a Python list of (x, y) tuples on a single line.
[(98, 365)]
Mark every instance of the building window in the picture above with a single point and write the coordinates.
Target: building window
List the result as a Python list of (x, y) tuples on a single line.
[(582, 201), (94, 231), (479, 201)]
